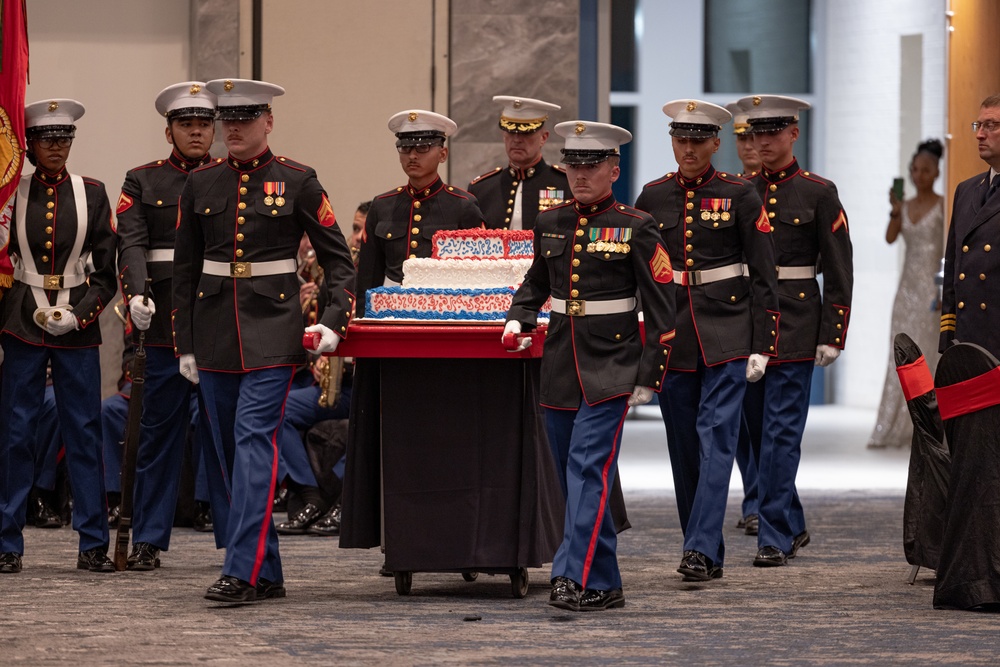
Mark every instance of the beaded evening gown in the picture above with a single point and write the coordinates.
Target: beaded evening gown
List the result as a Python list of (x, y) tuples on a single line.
[(915, 312)]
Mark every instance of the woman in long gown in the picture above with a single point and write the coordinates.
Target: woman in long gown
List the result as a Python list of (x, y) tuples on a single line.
[(915, 312)]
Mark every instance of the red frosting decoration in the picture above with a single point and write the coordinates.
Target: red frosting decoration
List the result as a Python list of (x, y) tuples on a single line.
[(978, 393), (915, 378)]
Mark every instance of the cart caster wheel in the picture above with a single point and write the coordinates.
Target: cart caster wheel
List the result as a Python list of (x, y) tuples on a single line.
[(470, 576), (519, 583), (404, 580)]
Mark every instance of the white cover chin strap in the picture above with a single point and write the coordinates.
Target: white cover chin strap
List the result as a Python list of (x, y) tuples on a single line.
[(25, 269)]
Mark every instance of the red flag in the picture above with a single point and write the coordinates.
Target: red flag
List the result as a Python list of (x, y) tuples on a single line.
[(13, 80)]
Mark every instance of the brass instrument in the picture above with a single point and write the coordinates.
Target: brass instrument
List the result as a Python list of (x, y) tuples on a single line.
[(331, 374)]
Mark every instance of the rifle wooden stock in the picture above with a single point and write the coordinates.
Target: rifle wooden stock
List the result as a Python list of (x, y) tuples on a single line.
[(131, 445)]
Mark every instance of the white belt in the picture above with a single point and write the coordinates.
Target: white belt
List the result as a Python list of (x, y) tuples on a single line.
[(57, 281), (796, 272), (161, 255), (578, 307), (249, 269), (710, 275)]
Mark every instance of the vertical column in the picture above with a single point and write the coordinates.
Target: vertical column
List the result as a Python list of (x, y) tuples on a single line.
[(215, 38)]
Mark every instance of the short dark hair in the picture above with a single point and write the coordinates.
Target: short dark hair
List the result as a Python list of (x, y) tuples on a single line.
[(991, 102), (364, 206)]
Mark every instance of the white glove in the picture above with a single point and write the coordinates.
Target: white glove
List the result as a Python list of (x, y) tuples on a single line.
[(640, 396), (142, 313), (756, 363), (513, 328), (61, 320), (189, 368), (328, 341), (826, 355)]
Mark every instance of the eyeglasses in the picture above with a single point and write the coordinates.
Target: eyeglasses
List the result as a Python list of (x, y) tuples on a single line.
[(988, 125), (420, 148), (49, 142)]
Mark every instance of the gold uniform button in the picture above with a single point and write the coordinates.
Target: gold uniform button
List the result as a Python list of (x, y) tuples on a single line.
[(576, 262), (583, 221), (987, 247), (48, 230), (389, 235), (690, 262), (607, 255), (771, 349), (774, 318), (510, 210), (48, 216), (239, 237), (689, 247), (689, 206), (159, 202), (965, 248), (208, 210), (413, 244), (549, 252), (343, 328), (774, 333), (802, 295), (961, 276), (772, 200), (50, 205), (772, 187), (241, 220), (416, 204), (836, 340), (982, 276), (48, 244), (689, 233), (412, 256), (282, 296), (574, 293), (733, 299), (243, 191), (840, 312), (579, 232), (245, 178), (510, 202), (840, 326), (771, 214), (983, 306), (274, 212), (201, 294), (415, 230), (239, 252), (417, 218), (49, 191), (961, 305), (662, 367), (618, 336), (688, 219), (575, 278), (242, 205), (45, 258), (657, 383), (577, 248), (690, 194)]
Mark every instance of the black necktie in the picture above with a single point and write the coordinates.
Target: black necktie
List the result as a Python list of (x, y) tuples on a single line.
[(993, 188)]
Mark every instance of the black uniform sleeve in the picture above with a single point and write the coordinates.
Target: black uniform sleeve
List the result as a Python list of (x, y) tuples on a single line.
[(371, 261), (758, 252), (948, 310), (653, 275), (836, 257), (534, 290), (189, 250), (133, 238), (102, 282)]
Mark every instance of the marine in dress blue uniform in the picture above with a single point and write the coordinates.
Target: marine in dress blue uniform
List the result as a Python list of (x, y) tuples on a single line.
[(970, 305), (715, 230), (400, 224), (50, 316), (511, 197), (147, 222), (237, 319), (810, 234), (592, 255)]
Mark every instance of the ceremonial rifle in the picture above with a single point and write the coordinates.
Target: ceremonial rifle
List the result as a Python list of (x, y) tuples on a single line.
[(131, 444)]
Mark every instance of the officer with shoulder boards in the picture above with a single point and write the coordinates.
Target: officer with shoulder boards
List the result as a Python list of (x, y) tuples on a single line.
[(50, 316)]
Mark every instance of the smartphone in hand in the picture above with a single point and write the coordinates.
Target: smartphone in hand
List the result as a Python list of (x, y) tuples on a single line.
[(897, 188)]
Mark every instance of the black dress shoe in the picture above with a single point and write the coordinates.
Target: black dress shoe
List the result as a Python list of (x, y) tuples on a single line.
[(95, 560), (269, 589), (565, 594), (742, 523), (232, 590), (770, 557), (595, 600), (144, 557), (300, 521), (202, 521), (45, 516), (751, 524), (10, 562), (383, 572), (799, 541), (328, 524), (696, 566)]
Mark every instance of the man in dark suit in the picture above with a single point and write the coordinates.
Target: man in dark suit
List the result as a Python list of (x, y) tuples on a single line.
[(714, 228), (511, 197), (810, 234), (237, 317), (592, 255), (970, 307), (147, 220), (49, 315)]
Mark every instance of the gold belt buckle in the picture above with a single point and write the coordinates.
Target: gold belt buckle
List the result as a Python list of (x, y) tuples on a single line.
[(53, 282), (239, 269), (576, 307)]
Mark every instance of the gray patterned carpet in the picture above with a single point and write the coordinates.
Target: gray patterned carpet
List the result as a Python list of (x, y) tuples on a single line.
[(843, 601)]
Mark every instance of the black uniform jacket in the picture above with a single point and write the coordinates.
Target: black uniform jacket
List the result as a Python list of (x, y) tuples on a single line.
[(599, 252), (542, 187), (51, 225), (235, 324), (147, 220), (809, 228), (708, 222), (970, 306), (401, 224)]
